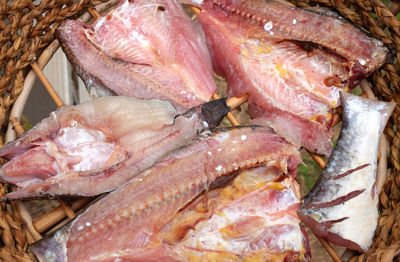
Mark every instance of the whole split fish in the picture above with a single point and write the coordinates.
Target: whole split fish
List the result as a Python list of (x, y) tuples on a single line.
[(253, 218), (125, 224), (343, 205), (92, 148), (292, 75), (144, 49)]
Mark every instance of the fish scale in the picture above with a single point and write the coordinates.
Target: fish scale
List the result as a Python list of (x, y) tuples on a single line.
[(343, 205)]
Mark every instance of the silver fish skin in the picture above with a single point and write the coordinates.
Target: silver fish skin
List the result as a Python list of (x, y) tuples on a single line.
[(94, 147), (342, 206)]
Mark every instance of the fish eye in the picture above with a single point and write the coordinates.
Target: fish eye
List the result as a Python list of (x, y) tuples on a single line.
[(161, 8)]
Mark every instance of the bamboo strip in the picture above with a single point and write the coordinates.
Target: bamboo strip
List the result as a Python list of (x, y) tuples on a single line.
[(47, 84), (67, 210), (17, 125), (234, 102), (94, 13), (330, 250), (57, 215)]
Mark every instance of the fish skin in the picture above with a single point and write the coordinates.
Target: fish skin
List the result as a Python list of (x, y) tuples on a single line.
[(343, 205), (134, 52), (94, 147), (125, 223), (253, 217)]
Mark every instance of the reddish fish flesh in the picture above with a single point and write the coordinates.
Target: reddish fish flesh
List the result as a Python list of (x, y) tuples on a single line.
[(125, 224), (343, 205), (94, 147), (252, 219), (363, 54), (144, 49), (293, 85)]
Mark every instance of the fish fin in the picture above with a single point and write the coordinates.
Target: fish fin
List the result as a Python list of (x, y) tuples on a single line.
[(337, 201), (213, 112)]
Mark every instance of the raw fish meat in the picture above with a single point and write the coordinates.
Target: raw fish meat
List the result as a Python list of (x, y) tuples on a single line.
[(292, 80), (126, 223), (343, 205), (94, 147), (252, 219), (144, 49)]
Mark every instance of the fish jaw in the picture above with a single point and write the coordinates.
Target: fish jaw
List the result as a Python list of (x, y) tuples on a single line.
[(343, 204), (150, 200), (96, 146), (253, 217), (133, 51)]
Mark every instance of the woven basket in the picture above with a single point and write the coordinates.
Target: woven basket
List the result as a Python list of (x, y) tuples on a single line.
[(26, 40)]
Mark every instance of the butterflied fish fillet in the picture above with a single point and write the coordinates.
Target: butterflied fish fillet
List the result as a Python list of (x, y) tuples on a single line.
[(94, 147), (342, 206), (251, 219), (293, 84), (144, 49), (126, 223)]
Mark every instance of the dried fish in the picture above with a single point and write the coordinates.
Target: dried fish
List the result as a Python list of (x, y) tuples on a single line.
[(292, 75), (126, 223), (94, 147), (144, 49), (343, 205), (251, 219)]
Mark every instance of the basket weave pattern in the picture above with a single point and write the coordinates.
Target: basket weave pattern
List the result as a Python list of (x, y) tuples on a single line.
[(27, 28)]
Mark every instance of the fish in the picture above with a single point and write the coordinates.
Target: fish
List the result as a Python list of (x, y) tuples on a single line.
[(343, 205), (94, 147), (144, 49), (293, 82), (124, 225), (253, 218)]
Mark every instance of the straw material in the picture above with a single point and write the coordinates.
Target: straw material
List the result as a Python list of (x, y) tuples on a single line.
[(26, 29)]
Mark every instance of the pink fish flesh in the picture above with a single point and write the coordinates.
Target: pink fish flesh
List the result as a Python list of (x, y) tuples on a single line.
[(252, 218), (144, 49), (291, 83), (364, 54), (94, 147), (125, 224), (343, 205)]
